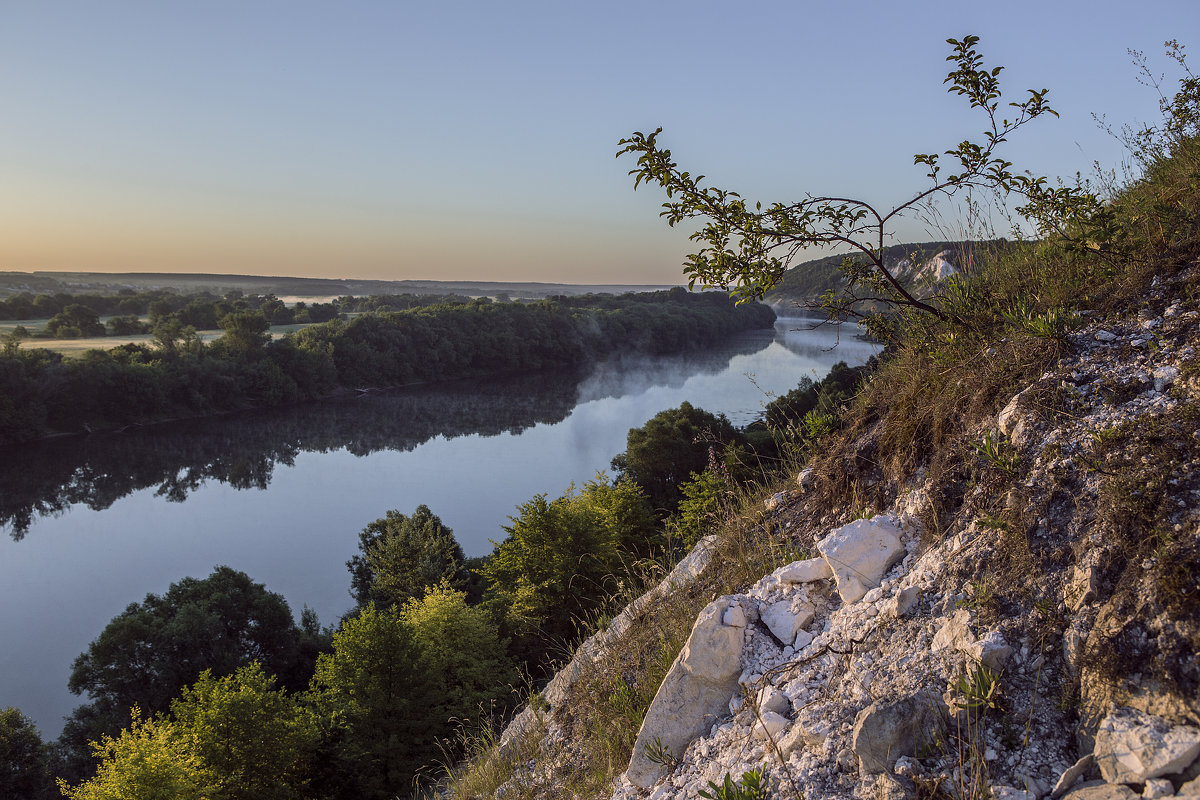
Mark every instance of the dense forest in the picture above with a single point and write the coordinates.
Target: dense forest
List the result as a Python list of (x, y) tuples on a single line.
[(212, 689), (383, 344)]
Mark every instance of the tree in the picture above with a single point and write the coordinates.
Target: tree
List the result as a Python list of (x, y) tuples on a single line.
[(150, 651), (174, 337), (149, 760), (24, 771), (746, 249), (372, 696), (252, 738), (401, 556), (463, 655), (245, 332), (563, 557), (74, 321), (671, 446), (231, 738)]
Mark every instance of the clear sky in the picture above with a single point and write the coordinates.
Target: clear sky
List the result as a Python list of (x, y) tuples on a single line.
[(475, 140)]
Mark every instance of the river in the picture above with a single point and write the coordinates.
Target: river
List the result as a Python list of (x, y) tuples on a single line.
[(91, 524)]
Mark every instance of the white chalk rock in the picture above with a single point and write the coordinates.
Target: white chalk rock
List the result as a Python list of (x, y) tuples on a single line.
[(991, 651), (1073, 773), (785, 623), (770, 725), (1133, 746), (860, 553), (1157, 788), (813, 569), (883, 732), (903, 602), (806, 479), (694, 694), (1164, 377), (773, 700), (734, 617)]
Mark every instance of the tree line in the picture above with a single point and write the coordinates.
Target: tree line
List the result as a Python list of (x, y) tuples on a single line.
[(42, 392)]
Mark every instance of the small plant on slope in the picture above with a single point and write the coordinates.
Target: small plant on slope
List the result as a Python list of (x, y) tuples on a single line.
[(752, 786)]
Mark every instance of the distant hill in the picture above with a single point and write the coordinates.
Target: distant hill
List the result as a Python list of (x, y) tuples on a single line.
[(916, 265), (40, 282)]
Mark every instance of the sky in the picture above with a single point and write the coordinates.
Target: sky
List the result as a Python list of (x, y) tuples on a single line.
[(476, 140)]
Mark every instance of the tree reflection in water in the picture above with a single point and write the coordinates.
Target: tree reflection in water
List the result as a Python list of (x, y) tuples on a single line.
[(46, 478)]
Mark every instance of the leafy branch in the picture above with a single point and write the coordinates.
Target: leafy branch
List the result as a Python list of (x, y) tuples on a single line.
[(745, 249)]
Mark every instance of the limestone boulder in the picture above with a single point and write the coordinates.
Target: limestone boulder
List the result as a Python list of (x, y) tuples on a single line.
[(860, 553), (991, 651), (807, 571), (784, 622), (1073, 773), (695, 692), (903, 602), (806, 479), (955, 633), (1133, 746), (773, 700), (1098, 790), (770, 725), (885, 731)]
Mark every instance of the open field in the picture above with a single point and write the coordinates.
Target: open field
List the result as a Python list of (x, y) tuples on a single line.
[(73, 348)]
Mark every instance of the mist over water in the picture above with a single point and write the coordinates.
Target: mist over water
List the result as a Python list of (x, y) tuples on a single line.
[(91, 524)]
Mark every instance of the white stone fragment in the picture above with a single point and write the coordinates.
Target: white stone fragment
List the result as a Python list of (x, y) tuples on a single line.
[(1009, 793), (785, 623), (770, 725), (771, 699), (991, 651), (1133, 746), (1158, 787), (1164, 377), (1105, 336), (694, 693), (734, 617), (1099, 790), (806, 479), (813, 569), (1073, 773), (860, 553), (903, 602)]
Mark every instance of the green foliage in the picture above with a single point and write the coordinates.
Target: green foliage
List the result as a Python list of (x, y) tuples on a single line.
[(997, 451), (146, 654), (231, 738), (150, 760), (182, 376), (1053, 323), (745, 249), (752, 786), (978, 689), (563, 557), (245, 332), (253, 739), (704, 497), (670, 447), (73, 322), (469, 670), (400, 557), (371, 697), (24, 767)]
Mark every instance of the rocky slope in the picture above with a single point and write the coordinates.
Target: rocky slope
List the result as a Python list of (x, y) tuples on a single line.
[(1040, 642)]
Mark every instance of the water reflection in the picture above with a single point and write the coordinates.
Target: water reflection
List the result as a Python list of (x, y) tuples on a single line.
[(242, 450)]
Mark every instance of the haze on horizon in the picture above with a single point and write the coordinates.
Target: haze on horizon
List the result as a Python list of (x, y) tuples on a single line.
[(475, 141)]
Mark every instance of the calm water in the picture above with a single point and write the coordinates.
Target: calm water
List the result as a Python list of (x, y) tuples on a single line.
[(91, 524)]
